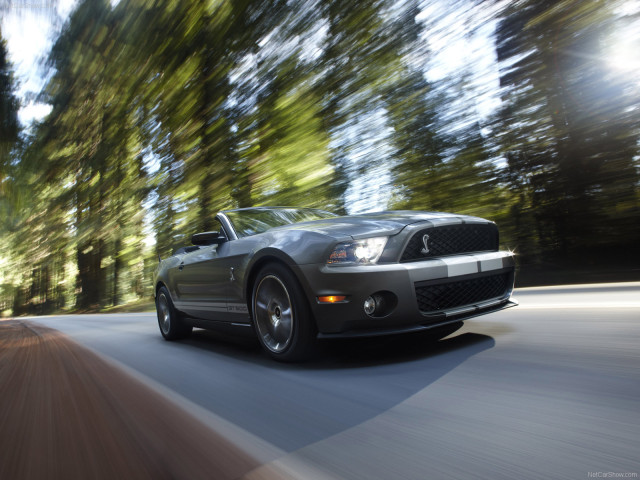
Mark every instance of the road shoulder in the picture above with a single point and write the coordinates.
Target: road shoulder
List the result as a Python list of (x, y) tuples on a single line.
[(67, 413)]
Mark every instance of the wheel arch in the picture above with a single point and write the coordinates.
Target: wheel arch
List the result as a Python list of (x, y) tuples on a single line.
[(159, 285)]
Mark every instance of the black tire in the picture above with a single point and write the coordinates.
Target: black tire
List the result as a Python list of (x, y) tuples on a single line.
[(169, 321), (281, 315)]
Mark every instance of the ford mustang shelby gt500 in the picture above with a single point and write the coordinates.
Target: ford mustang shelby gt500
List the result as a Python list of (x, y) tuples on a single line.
[(298, 274)]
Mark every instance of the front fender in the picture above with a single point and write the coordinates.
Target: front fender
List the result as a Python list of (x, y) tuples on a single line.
[(292, 248)]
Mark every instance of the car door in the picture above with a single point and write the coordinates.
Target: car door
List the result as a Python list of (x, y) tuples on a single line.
[(202, 282)]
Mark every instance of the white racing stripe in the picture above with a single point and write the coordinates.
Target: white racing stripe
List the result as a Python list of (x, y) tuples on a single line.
[(469, 264), (212, 306), (461, 265)]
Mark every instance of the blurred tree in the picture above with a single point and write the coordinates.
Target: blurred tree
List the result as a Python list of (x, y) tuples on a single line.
[(8, 119), (185, 91), (420, 150), (38, 237), (9, 130), (91, 153), (195, 106), (283, 147), (570, 126), (442, 161), (361, 50), (221, 139), (78, 125)]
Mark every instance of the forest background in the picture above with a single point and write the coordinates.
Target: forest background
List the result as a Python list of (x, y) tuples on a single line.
[(163, 113)]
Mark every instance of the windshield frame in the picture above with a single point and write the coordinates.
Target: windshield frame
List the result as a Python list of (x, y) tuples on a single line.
[(235, 217)]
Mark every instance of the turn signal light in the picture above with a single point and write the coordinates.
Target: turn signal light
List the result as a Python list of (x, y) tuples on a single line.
[(332, 298)]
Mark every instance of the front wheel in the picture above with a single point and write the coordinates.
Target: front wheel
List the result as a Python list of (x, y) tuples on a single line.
[(281, 315), (169, 321)]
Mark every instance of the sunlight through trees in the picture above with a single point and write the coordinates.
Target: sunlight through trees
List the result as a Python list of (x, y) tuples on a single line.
[(163, 113)]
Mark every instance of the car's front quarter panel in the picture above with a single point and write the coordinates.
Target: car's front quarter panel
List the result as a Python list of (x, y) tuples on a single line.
[(291, 247), (163, 275), (303, 247)]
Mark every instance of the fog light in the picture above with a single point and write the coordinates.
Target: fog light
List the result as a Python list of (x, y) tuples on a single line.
[(369, 305)]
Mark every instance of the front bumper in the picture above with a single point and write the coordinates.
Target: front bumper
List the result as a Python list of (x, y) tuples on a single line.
[(403, 281)]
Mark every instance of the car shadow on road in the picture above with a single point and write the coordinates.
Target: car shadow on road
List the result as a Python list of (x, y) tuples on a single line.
[(345, 353), (371, 352), (350, 382)]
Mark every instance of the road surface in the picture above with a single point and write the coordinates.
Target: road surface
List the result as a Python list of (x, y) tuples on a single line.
[(549, 389)]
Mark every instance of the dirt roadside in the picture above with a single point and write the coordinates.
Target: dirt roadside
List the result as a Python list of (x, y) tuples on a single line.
[(65, 413)]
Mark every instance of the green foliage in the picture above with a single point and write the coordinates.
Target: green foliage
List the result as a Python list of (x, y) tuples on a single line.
[(165, 112), (8, 128), (569, 127), (10, 177)]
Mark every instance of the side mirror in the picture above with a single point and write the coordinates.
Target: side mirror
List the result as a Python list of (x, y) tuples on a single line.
[(208, 238)]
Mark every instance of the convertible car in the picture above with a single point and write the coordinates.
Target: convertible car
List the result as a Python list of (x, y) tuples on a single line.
[(294, 275)]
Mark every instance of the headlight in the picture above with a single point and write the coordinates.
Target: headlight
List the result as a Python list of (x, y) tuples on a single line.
[(362, 252)]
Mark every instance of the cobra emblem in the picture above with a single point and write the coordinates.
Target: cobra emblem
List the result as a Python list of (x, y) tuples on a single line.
[(425, 242)]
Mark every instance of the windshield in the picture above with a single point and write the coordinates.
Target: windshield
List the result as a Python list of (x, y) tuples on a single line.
[(252, 221)]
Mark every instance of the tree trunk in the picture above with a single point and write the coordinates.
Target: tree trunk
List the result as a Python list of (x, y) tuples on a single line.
[(117, 266)]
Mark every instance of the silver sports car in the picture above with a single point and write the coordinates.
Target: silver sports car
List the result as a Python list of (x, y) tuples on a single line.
[(294, 275)]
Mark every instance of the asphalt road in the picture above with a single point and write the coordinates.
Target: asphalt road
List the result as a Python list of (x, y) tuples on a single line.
[(549, 389)]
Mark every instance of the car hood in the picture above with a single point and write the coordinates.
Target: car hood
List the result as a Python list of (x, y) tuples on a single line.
[(371, 224)]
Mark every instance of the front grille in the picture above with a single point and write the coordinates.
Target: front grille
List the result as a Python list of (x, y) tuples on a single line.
[(451, 240), (443, 296)]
